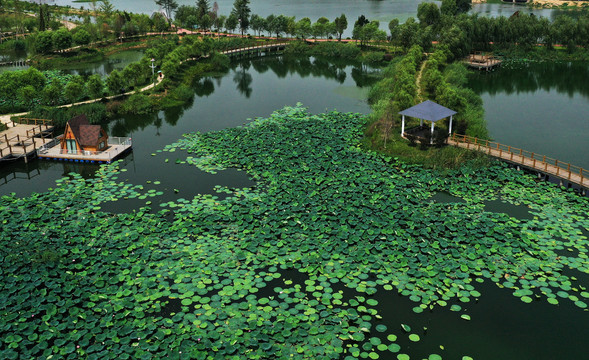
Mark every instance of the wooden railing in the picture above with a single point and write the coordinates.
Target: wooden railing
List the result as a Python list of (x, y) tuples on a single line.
[(32, 121), (28, 143), (539, 162), (255, 47)]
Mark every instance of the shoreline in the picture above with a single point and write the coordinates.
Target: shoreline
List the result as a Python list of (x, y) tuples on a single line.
[(548, 3)]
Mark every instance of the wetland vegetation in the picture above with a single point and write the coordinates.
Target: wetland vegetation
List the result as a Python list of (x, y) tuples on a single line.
[(349, 243)]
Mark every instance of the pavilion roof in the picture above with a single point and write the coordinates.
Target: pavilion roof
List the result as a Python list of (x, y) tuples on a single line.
[(428, 110)]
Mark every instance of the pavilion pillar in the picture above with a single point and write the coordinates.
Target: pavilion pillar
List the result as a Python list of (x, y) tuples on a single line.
[(450, 127), (402, 125), (431, 140)]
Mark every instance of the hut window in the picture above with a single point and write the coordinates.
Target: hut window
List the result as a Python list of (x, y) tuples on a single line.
[(101, 146)]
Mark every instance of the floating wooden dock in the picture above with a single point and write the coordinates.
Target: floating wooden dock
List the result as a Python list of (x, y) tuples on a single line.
[(482, 61), (24, 137), (532, 161), (117, 147)]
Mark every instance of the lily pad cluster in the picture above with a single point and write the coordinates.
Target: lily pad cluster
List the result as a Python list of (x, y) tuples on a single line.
[(287, 269)]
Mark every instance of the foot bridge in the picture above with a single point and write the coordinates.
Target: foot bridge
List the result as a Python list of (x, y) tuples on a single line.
[(537, 163)]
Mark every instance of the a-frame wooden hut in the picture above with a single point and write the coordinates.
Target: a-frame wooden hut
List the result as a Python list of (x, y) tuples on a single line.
[(80, 136)]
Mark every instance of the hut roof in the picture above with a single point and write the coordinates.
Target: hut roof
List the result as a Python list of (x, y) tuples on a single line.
[(86, 134), (428, 110)]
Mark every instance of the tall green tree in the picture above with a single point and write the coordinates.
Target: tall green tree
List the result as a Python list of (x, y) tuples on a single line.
[(44, 42), (115, 82), (341, 24), (463, 6), (202, 9), (257, 23), (241, 10), (169, 7), (81, 37), (107, 9), (428, 14), (184, 15), (394, 29), (231, 23), (449, 7), (303, 28), (95, 86)]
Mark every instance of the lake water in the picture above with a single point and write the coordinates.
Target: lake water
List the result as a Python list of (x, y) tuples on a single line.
[(116, 61), (383, 11), (252, 88), (539, 106), (103, 67)]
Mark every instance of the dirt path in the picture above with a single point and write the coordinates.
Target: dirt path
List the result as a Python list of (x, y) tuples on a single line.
[(418, 82)]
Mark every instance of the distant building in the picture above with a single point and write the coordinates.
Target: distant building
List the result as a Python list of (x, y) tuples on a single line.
[(80, 136)]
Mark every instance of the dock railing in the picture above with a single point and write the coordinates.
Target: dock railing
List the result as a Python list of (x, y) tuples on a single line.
[(31, 121), (526, 158), (117, 145)]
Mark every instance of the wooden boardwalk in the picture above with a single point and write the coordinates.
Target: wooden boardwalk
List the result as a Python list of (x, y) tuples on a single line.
[(24, 138), (540, 163), (255, 49)]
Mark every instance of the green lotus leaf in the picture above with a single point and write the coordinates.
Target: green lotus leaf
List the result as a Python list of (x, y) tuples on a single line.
[(414, 337)]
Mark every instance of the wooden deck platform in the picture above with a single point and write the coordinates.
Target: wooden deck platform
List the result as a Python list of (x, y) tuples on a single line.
[(481, 61), (117, 147), (21, 140), (540, 163)]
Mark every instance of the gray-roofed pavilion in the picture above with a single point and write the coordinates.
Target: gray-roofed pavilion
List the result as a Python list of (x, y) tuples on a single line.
[(427, 110)]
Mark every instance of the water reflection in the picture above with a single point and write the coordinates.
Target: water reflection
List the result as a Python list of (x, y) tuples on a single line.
[(528, 77), (117, 61), (243, 79), (541, 107), (265, 85)]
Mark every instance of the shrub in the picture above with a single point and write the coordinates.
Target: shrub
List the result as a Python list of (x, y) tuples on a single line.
[(373, 57), (137, 104)]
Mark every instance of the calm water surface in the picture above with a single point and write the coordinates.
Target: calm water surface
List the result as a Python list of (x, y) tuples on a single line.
[(250, 89), (539, 106), (381, 10)]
